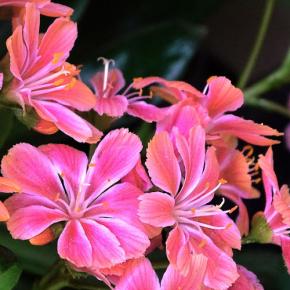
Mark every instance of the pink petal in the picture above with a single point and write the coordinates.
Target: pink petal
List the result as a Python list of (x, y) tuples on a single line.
[(106, 249), (281, 202), (20, 164), (181, 115), (114, 106), (140, 83), (227, 238), (114, 157), (57, 41), (162, 163), (157, 209), (139, 274), (208, 180), (222, 96), (79, 96), (115, 83), (193, 155), (247, 280), (147, 112), (285, 244), (221, 270), (17, 52), (4, 214), (138, 177), (173, 279), (74, 246), (246, 130), (31, 31), (1, 80), (132, 240), (56, 10), (69, 163), (242, 220), (235, 170), (67, 121), (25, 223), (8, 185), (270, 181)]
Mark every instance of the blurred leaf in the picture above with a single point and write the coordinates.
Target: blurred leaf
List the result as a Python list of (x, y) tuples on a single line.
[(163, 50), (79, 7), (6, 122), (10, 269), (267, 263), (34, 259)]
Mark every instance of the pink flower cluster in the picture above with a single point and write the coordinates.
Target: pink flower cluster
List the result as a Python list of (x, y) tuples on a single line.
[(107, 213)]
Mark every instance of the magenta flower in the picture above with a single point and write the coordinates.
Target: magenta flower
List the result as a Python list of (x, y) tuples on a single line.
[(110, 101), (199, 228), (99, 216), (139, 274), (43, 82), (46, 7), (191, 107), (238, 168), (277, 209)]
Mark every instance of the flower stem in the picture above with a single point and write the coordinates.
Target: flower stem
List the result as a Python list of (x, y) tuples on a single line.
[(258, 44)]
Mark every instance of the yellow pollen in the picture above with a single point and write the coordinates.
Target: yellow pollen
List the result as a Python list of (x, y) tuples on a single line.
[(105, 204), (223, 181), (202, 244), (193, 210), (61, 175), (228, 225), (257, 180), (56, 57), (92, 164), (137, 79), (210, 79), (233, 209), (71, 84), (58, 82), (56, 198), (248, 150)]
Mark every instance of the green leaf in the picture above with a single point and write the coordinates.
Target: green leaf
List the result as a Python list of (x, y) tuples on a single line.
[(34, 259), (163, 50), (267, 263), (10, 269), (6, 122)]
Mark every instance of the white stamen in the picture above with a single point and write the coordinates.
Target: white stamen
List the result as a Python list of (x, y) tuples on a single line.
[(106, 63)]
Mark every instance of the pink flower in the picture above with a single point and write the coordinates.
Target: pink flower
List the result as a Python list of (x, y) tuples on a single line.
[(43, 83), (107, 86), (46, 7), (277, 209), (99, 216), (139, 274), (247, 280), (238, 168), (208, 109), (199, 228)]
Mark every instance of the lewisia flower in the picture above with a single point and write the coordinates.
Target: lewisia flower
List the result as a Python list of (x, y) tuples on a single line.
[(273, 225), (101, 227), (42, 83), (46, 7), (191, 107), (110, 101), (139, 274), (199, 228)]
